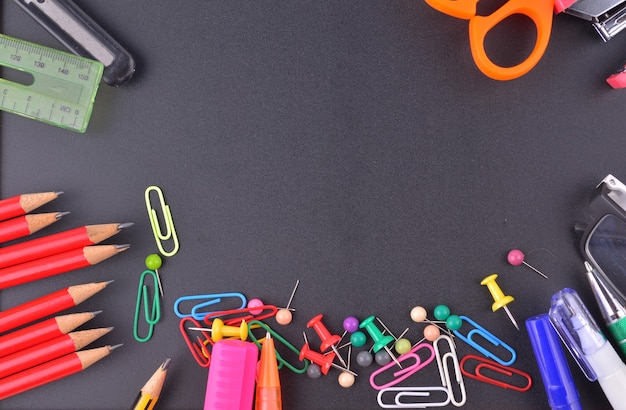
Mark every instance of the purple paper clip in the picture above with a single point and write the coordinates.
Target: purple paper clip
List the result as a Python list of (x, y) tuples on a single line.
[(407, 371)]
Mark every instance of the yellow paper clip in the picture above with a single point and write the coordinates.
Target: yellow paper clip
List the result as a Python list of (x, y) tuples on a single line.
[(159, 235)]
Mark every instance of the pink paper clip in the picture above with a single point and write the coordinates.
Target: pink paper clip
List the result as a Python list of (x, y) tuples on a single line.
[(236, 321), (407, 371), (486, 364), (198, 348)]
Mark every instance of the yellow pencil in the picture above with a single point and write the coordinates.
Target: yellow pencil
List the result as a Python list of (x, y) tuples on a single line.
[(149, 393)]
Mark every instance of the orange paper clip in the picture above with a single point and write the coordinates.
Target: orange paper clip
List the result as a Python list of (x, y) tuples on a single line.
[(199, 348), (497, 369)]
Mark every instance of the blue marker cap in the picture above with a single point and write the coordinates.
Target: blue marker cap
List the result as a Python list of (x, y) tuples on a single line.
[(556, 375)]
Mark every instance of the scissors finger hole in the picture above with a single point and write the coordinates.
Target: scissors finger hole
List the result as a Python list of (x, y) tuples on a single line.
[(511, 41)]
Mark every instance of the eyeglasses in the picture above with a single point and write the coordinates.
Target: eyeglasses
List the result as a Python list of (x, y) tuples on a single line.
[(603, 243)]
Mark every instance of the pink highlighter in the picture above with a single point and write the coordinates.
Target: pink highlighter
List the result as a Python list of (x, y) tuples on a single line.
[(232, 375)]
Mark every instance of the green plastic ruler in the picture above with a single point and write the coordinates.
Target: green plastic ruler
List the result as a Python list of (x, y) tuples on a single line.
[(61, 90)]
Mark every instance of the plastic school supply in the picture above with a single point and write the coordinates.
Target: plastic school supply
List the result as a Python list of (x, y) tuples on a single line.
[(489, 337), (59, 89), (231, 376), (585, 341), (521, 381), (539, 11), (499, 299), (268, 395), (166, 234), (83, 36), (555, 373)]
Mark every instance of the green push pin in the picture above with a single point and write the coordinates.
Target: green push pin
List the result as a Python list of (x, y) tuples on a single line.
[(154, 262), (380, 341)]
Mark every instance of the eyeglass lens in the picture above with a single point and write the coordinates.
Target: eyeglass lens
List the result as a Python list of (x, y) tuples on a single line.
[(606, 246)]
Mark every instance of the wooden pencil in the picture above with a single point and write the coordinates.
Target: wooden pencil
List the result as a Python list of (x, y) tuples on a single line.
[(25, 225), (58, 243), (22, 204), (48, 305), (49, 350), (150, 392), (42, 331), (51, 371), (57, 264)]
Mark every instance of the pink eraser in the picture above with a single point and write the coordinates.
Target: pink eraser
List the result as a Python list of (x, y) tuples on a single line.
[(617, 80), (560, 5), (232, 375)]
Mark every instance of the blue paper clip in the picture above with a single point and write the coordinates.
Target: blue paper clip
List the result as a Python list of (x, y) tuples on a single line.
[(170, 231), (210, 299), (444, 370), (413, 393), (152, 314), (487, 336)]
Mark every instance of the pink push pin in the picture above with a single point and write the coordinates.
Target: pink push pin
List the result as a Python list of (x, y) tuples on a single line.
[(516, 258), (255, 303)]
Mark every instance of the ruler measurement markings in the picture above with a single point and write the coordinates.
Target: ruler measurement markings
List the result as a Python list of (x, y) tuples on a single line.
[(65, 84)]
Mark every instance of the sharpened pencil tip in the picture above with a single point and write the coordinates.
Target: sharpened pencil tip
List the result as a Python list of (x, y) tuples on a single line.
[(58, 193), (111, 348), (96, 312), (125, 225), (122, 247), (60, 215), (166, 363), (108, 282)]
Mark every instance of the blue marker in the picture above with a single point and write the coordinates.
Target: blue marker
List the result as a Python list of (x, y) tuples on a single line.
[(555, 373)]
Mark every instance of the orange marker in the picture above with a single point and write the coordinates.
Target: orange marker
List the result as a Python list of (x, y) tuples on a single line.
[(268, 382)]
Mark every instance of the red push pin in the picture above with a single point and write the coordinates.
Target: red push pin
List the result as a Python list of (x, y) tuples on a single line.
[(328, 340), (324, 361), (516, 258)]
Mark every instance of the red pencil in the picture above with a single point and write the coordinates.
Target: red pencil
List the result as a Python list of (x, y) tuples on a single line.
[(40, 332), (51, 371), (48, 305), (27, 224), (57, 243), (56, 264), (22, 204), (49, 350)]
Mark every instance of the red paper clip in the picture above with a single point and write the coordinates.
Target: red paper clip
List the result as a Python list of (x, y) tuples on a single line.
[(497, 368), (236, 321), (199, 349)]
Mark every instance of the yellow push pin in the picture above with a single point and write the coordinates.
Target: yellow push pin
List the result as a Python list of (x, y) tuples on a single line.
[(219, 330), (500, 300)]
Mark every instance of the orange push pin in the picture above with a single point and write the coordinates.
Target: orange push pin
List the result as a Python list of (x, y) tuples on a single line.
[(500, 300)]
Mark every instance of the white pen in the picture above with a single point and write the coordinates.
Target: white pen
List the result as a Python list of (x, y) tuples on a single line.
[(594, 354)]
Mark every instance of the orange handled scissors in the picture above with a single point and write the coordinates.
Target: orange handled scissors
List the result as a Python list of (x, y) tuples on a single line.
[(539, 11)]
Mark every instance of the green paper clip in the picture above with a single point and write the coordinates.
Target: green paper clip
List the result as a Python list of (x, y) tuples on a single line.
[(281, 362), (159, 235), (151, 315)]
